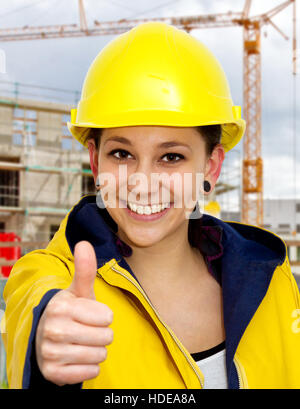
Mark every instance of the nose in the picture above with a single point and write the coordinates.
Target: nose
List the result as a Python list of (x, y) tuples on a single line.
[(139, 182), (144, 186)]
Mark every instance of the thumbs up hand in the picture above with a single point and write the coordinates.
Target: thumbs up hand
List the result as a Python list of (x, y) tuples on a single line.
[(85, 271), (74, 328)]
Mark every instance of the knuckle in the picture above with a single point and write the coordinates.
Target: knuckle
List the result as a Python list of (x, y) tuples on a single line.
[(47, 330), (53, 332), (50, 372), (44, 351), (59, 307), (54, 309), (49, 352)]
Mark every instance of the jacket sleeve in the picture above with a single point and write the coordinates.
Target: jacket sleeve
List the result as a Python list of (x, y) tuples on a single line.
[(33, 281)]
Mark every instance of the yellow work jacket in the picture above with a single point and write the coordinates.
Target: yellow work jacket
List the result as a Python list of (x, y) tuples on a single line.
[(260, 301)]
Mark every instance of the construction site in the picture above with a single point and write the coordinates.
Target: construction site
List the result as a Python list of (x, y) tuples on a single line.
[(44, 171)]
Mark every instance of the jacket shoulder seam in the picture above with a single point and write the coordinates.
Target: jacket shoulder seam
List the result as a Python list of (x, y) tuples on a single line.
[(289, 275)]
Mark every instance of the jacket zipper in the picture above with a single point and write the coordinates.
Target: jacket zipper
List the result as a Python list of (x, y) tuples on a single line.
[(239, 371), (166, 327)]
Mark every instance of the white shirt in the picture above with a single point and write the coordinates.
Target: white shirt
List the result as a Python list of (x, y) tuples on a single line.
[(214, 371)]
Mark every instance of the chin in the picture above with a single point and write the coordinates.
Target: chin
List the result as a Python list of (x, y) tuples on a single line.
[(144, 239)]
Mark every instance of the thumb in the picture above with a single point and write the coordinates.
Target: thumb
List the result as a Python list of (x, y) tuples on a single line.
[(85, 270)]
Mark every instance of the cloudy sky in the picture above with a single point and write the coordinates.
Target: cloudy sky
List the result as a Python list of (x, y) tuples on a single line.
[(63, 63)]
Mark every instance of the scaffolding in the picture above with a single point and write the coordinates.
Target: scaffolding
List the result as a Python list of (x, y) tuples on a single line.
[(43, 170)]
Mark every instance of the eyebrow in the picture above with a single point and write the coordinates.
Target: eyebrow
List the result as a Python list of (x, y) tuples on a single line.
[(126, 141)]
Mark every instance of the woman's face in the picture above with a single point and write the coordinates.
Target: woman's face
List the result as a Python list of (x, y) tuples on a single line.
[(160, 165)]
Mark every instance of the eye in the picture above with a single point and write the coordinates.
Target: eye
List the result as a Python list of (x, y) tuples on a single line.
[(122, 152), (172, 156)]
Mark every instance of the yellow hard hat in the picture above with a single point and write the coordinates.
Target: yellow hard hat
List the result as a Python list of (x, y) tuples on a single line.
[(212, 208), (156, 74)]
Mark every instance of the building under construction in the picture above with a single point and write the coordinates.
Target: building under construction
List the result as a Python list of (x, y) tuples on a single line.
[(43, 171)]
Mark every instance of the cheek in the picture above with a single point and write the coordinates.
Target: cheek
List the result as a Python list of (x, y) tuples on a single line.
[(118, 171), (108, 177), (188, 186)]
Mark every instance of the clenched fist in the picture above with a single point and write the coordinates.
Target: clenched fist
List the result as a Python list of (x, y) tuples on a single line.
[(74, 328)]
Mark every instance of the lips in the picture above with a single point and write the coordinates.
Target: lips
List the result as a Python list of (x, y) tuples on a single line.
[(148, 217)]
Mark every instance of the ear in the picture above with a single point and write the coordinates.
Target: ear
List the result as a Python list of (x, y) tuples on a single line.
[(214, 165), (93, 158)]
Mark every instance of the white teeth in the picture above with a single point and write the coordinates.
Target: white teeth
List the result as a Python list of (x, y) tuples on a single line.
[(139, 210), (156, 208), (148, 209)]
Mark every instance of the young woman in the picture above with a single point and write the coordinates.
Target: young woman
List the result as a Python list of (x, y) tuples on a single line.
[(134, 290)]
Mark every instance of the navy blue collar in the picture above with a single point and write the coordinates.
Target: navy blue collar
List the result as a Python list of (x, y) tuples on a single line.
[(241, 257)]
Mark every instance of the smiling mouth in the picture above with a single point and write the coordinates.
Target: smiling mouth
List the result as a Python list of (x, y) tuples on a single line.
[(147, 209)]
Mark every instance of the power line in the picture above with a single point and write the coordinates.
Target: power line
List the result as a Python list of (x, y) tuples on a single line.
[(119, 5), (38, 86), (153, 9), (51, 6), (21, 8)]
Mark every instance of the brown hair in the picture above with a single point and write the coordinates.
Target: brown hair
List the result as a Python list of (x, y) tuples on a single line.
[(210, 133)]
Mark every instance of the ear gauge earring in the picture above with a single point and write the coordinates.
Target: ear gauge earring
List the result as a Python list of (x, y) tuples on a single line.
[(199, 209), (206, 186)]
